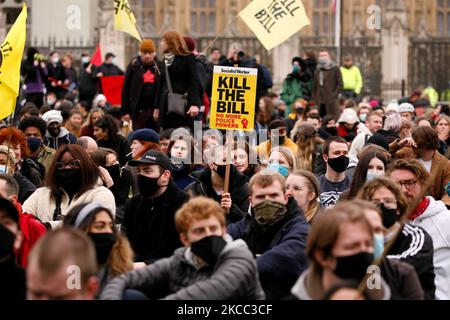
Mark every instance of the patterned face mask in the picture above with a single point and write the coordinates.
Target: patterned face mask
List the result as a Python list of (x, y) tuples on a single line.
[(268, 212)]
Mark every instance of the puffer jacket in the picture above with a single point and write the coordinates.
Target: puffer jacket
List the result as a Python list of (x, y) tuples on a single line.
[(233, 277)]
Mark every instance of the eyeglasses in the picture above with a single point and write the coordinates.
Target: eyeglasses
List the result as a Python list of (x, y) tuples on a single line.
[(388, 203), (407, 183), (71, 164)]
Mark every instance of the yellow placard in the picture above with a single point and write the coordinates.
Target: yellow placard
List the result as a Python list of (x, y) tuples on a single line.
[(11, 52), (274, 21), (233, 98)]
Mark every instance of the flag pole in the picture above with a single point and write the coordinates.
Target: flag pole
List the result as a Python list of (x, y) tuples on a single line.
[(338, 31)]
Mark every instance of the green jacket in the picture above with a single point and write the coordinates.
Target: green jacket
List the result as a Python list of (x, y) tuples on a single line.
[(352, 79), (295, 88), (45, 157)]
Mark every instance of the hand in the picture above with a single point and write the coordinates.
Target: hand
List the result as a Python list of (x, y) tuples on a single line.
[(100, 74), (59, 82), (106, 177), (156, 115), (126, 118), (36, 63), (139, 265), (193, 111), (43, 66), (89, 69), (407, 142), (226, 201)]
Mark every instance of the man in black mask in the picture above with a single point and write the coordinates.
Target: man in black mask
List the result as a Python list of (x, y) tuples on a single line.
[(275, 232), (210, 265), (149, 216), (12, 277), (334, 181), (56, 135)]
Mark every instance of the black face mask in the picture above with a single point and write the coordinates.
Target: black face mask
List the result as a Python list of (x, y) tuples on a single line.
[(7, 239), (299, 111), (281, 140), (34, 143), (354, 266), (209, 248), (104, 243), (148, 186), (390, 216), (69, 179), (114, 172), (332, 131), (339, 164), (221, 170)]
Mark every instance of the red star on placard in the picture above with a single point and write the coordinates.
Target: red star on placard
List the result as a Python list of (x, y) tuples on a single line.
[(149, 77)]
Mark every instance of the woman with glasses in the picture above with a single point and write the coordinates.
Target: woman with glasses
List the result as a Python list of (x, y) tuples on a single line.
[(410, 243), (73, 178)]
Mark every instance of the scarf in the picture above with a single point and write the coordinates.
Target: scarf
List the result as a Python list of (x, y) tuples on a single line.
[(168, 58), (325, 66), (420, 209)]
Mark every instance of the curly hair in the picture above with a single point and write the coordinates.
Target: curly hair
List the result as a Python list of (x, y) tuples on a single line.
[(198, 208), (367, 191), (16, 138), (33, 122)]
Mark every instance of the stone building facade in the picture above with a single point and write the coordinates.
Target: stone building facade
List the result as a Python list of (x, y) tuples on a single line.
[(411, 47)]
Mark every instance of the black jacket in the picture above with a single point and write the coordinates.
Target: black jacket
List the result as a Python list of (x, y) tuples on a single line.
[(415, 246), (134, 83), (238, 189), (279, 251), (33, 171), (402, 279), (149, 224), (12, 279), (109, 70), (26, 188), (121, 147), (88, 85), (184, 80)]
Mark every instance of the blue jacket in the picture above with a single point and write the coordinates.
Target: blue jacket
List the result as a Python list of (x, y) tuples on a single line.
[(280, 252)]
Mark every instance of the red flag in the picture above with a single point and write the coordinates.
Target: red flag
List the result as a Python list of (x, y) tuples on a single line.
[(333, 6), (112, 89), (97, 57)]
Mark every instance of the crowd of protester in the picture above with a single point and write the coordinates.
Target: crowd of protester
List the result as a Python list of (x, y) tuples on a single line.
[(341, 184)]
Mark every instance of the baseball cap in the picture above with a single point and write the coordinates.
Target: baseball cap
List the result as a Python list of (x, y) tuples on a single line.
[(153, 157)]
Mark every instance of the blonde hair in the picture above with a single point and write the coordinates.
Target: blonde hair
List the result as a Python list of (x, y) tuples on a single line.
[(306, 150), (11, 157), (313, 186), (288, 155)]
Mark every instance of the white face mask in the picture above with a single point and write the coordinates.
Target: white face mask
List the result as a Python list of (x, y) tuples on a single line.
[(85, 60), (55, 60), (3, 168), (373, 174)]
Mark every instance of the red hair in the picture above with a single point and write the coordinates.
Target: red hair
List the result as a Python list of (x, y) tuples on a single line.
[(17, 138), (148, 145)]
